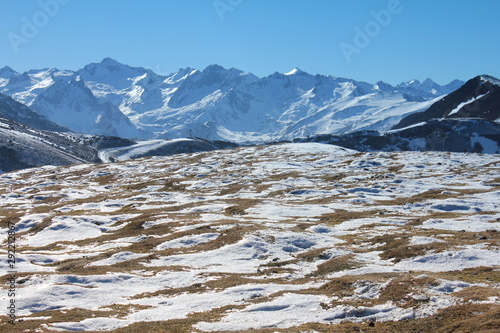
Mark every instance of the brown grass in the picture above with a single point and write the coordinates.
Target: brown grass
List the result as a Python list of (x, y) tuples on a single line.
[(398, 248), (333, 178), (106, 179), (484, 318), (341, 215), (340, 287), (240, 206), (313, 255), (471, 275), (398, 290), (284, 176), (338, 264), (477, 294), (430, 195)]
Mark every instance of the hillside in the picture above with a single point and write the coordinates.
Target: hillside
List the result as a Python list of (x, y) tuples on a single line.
[(477, 98), (284, 238), (23, 147), (465, 135), (466, 120)]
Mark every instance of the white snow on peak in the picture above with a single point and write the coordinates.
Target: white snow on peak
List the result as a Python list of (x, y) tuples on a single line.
[(295, 71), (490, 79), (181, 75)]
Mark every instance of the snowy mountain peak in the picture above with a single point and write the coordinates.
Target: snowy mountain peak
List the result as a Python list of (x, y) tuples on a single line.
[(111, 73), (78, 81), (180, 75), (453, 85), (490, 79), (219, 70), (383, 86), (218, 75), (428, 88), (145, 80), (109, 60), (412, 83), (112, 64), (108, 64), (185, 71), (474, 99), (295, 71), (428, 83), (238, 105)]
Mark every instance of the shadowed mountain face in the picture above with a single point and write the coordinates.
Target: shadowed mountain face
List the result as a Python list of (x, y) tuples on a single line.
[(478, 98), (455, 135), (13, 110)]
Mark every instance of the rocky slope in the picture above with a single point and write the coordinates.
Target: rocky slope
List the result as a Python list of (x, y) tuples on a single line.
[(24, 147), (454, 135), (466, 120)]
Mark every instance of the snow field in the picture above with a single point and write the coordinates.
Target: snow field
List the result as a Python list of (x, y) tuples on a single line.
[(254, 237)]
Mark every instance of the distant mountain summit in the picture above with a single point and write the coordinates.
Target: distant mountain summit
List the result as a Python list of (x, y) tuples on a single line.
[(428, 88), (112, 73), (7, 72), (74, 105), (63, 97), (296, 71)]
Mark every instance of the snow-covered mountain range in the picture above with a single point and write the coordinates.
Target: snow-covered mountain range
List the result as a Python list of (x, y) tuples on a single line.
[(110, 98)]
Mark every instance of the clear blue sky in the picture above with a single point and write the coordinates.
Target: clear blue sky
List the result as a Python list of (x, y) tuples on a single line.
[(443, 40)]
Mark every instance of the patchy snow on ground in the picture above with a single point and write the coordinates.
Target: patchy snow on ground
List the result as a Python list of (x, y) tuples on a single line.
[(252, 238)]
